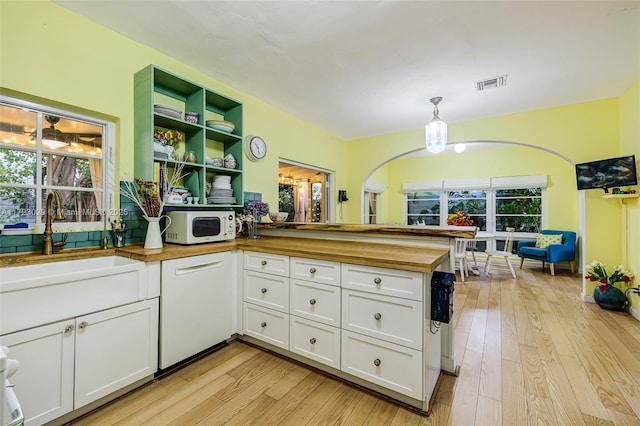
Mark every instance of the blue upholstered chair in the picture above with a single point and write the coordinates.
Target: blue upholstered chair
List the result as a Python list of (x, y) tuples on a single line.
[(554, 253)]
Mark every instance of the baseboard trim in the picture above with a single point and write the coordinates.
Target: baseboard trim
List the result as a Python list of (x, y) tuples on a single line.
[(634, 313)]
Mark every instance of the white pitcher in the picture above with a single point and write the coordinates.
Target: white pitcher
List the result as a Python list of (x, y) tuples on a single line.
[(153, 239)]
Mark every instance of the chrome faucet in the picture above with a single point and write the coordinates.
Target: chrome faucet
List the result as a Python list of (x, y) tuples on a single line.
[(48, 244)]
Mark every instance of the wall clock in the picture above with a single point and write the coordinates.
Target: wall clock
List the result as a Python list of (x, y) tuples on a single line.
[(255, 148)]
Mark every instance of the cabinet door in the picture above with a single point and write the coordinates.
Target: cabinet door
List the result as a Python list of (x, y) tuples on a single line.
[(317, 302), (44, 381), (314, 270), (266, 262), (267, 290), (389, 318), (267, 325), (115, 348)]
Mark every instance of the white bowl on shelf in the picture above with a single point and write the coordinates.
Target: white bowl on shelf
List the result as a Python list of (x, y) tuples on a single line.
[(222, 125)]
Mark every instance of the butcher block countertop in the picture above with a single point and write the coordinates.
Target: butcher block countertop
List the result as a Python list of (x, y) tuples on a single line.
[(395, 256)]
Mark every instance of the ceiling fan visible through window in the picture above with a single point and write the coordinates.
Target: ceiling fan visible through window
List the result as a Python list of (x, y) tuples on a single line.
[(81, 137)]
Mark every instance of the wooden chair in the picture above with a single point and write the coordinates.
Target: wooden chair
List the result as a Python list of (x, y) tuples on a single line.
[(506, 253)]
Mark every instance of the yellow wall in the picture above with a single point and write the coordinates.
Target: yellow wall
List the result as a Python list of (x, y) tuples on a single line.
[(561, 211), (51, 53), (630, 218)]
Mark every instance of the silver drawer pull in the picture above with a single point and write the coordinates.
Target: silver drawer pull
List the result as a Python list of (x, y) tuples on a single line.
[(69, 328), (264, 262), (263, 324), (312, 301), (377, 280), (312, 270), (377, 316), (83, 325), (377, 362), (263, 290), (312, 340)]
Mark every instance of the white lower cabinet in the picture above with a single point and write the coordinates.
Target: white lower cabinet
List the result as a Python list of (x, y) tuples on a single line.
[(68, 364), (363, 322), (393, 366), (316, 341), (267, 325), (44, 382)]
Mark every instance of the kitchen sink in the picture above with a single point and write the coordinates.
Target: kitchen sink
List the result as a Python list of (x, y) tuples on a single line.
[(36, 294)]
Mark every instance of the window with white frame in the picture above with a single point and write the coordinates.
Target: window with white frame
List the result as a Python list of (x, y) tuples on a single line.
[(372, 196), (492, 203), (45, 149)]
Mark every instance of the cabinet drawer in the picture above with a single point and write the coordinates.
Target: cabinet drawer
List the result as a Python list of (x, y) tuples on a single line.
[(316, 341), (317, 302), (392, 366), (270, 291), (391, 282), (267, 325), (265, 262), (319, 271), (389, 318)]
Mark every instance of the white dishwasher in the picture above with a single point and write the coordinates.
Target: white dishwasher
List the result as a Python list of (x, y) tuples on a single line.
[(195, 305)]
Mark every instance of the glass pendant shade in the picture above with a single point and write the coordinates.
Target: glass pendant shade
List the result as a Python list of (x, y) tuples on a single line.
[(435, 133)]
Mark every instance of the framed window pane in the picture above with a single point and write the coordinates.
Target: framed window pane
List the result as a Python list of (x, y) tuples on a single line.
[(473, 203), (18, 126), (520, 209), (17, 205), (62, 170), (17, 167), (423, 208), (77, 206)]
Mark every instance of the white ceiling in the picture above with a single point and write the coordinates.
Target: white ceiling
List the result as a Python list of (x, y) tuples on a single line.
[(363, 68)]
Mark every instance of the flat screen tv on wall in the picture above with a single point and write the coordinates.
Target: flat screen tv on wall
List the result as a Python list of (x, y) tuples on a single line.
[(609, 173)]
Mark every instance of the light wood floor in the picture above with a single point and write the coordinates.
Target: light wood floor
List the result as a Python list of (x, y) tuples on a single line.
[(531, 353)]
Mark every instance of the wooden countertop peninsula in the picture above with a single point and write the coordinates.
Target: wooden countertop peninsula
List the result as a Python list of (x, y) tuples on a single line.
[(413, 230), (393, 255)]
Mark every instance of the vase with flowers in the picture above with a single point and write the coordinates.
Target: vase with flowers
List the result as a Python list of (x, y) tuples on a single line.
[(606, 294), (253, 210), (150, 197), (459, 218)]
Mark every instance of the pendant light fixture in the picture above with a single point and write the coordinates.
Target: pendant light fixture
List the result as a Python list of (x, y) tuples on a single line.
[(435, 133)]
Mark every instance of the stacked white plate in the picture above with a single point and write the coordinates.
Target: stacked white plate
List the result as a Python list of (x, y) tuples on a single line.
[(221, 192), (168, 110)]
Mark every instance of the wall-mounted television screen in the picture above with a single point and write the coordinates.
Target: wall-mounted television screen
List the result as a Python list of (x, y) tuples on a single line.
[(609, 173)]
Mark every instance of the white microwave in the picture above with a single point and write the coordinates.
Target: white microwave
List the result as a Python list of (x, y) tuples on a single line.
[(194, 227)]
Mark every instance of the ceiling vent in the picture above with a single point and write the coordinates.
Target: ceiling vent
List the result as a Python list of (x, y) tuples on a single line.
[(491, 83)]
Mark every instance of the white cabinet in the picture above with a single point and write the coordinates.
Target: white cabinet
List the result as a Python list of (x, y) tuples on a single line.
[(392, 366), (315, 340), (68, 364), (266, 324), (367, 324), (265, 306), (44, 382), (115, 348)]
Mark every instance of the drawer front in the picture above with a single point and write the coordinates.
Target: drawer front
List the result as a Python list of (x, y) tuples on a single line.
[(270, 291), (392, 366), (390, 282), (265, 262), (267, 325), (389, 318), (316, 341), (318, 271), (317, 302)]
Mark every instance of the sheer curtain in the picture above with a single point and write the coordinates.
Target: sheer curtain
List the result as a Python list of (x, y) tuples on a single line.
[(95, 168)]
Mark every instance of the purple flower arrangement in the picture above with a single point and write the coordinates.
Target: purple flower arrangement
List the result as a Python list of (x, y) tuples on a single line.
[(256, 208)]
